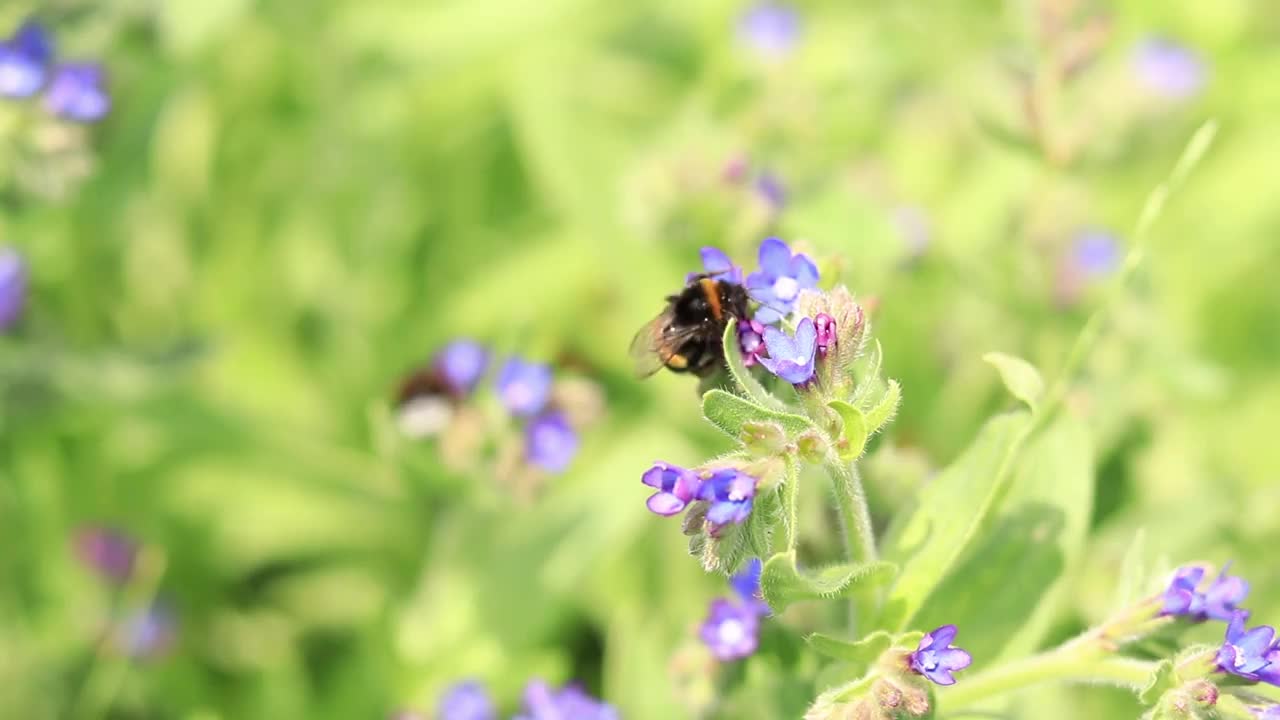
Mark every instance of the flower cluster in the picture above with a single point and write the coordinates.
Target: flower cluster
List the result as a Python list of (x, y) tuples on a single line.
[(1218, 602), (936, 658), (468, 700), (73, 91), (726, 493), (731, 629), (143, 631), (433, 399)]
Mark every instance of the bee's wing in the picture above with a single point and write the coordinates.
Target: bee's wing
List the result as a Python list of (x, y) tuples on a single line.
[(654, 345)]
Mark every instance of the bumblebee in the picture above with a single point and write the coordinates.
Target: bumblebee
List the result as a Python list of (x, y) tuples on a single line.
[(688, 336)]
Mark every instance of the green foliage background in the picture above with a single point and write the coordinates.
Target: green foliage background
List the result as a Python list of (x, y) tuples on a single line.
[(296, 202)]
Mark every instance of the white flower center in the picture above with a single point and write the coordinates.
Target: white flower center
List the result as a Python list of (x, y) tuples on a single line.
[(732, 632), (518, 395), (1240, 660), (786, 288)]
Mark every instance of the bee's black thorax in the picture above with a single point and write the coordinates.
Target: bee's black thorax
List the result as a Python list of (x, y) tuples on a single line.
[(705, 305)]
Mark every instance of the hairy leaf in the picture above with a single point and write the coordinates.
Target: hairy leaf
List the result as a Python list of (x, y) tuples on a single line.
[(783, 583)]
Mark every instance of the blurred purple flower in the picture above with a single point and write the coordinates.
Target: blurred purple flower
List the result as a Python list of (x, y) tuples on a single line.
[(1095, 252), (717, 265), (1244, 652), (730, 630), (568, 703), (791, 358), (78, 93), (746, 583), (24, 61), (461, 364), (1219, 601), (780, 279), (730, 493), (936, 658), (466, 701), (13, 287), (1168, 69), (1270, 712), (524, 387), (550, 442), (770, 29), (750, 341), (1182, 597), (770, 189), (147, 632), (676, 488), (108, 552), (1224, 595)]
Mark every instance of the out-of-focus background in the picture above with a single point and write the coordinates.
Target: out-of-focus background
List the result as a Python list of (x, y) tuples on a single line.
[(291, 205)]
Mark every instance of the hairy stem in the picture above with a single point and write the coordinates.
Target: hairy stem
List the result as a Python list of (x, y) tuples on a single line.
[(1063, 664), (859, 536)]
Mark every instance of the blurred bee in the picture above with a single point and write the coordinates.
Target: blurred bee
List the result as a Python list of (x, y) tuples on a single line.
[(688, 336)]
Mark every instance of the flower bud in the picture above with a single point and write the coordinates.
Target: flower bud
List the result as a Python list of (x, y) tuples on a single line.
[(763, 438), (813, 448)]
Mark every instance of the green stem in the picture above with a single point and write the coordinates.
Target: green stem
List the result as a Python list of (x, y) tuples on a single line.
[(1061, 664), (791, 502), (859, 536)]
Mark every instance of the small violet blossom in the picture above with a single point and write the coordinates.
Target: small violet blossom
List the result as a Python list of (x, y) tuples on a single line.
[(461, 364), (770, 30), (730, 493), (1245, 652), (750, 341), (825, 325), (524, 387), (936, 658), (466, 700), (781, 277), (568, 703), (1168, 69), (676, 487), (1218, 602), (24, 61), (13, 287), (746, 583), (791, 358), (108, 552), (78, 93), (731, 630), (550, 442), (717, 265)]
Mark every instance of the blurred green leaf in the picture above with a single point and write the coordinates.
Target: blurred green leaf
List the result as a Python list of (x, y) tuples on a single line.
[(783, 583), (863, 652), (1020, 377)]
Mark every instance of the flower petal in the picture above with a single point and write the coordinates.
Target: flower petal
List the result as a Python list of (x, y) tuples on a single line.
[(775, 257), (804, 271), (943, 636), (665, 504), (655, 476), (954, 658), (806, 338), (1257, 640), (766, 315), (781, 346), (715, 261), (941, 676)]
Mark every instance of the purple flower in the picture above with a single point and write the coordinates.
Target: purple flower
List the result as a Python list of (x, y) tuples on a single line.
[(750, 341), (1219, 602), (550, 442), (1168, 69), (108, 552), (676, 488), (78, 92), (780, 279), (1182, 597), (1095, 252), (466, 701), (746, 583), (791, 358), (570, 702), (825, 325), (13, 287), (24, 61), (770, 29), (524, 387), (731, 630), (1244, 653), (1269, 712), (1223, 596), (936, 658), (770, 189), (731, 493), (461, 364), (718, 266), (147, 632)]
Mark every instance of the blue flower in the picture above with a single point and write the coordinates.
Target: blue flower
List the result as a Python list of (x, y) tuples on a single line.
[(568, 703), (730, 493), (13, 287), (466, 700), (780, 279), (1168, 69), (676, 488), (78, 92), (770, 189), (524, 387), (791, 358), (108, 552), (461, 364), (147, 632), (1095, 252), (1219, 602), (771, 30), (550, 442), (1244, 653), (1223, 596), (746, 583), (718, 266), (731, 630), (936, 658), (24, 61), (1182, 596)]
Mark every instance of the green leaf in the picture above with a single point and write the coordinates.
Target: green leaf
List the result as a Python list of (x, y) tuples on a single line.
[(1162, 680), (863, 652), (741, 374), (867, 371), (930, 539), (1002, 591), (883, 411), (765, 515), (783, 583), (854, 432), (1133, 576), (724, 553), (1019, 376), (732, 414)]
